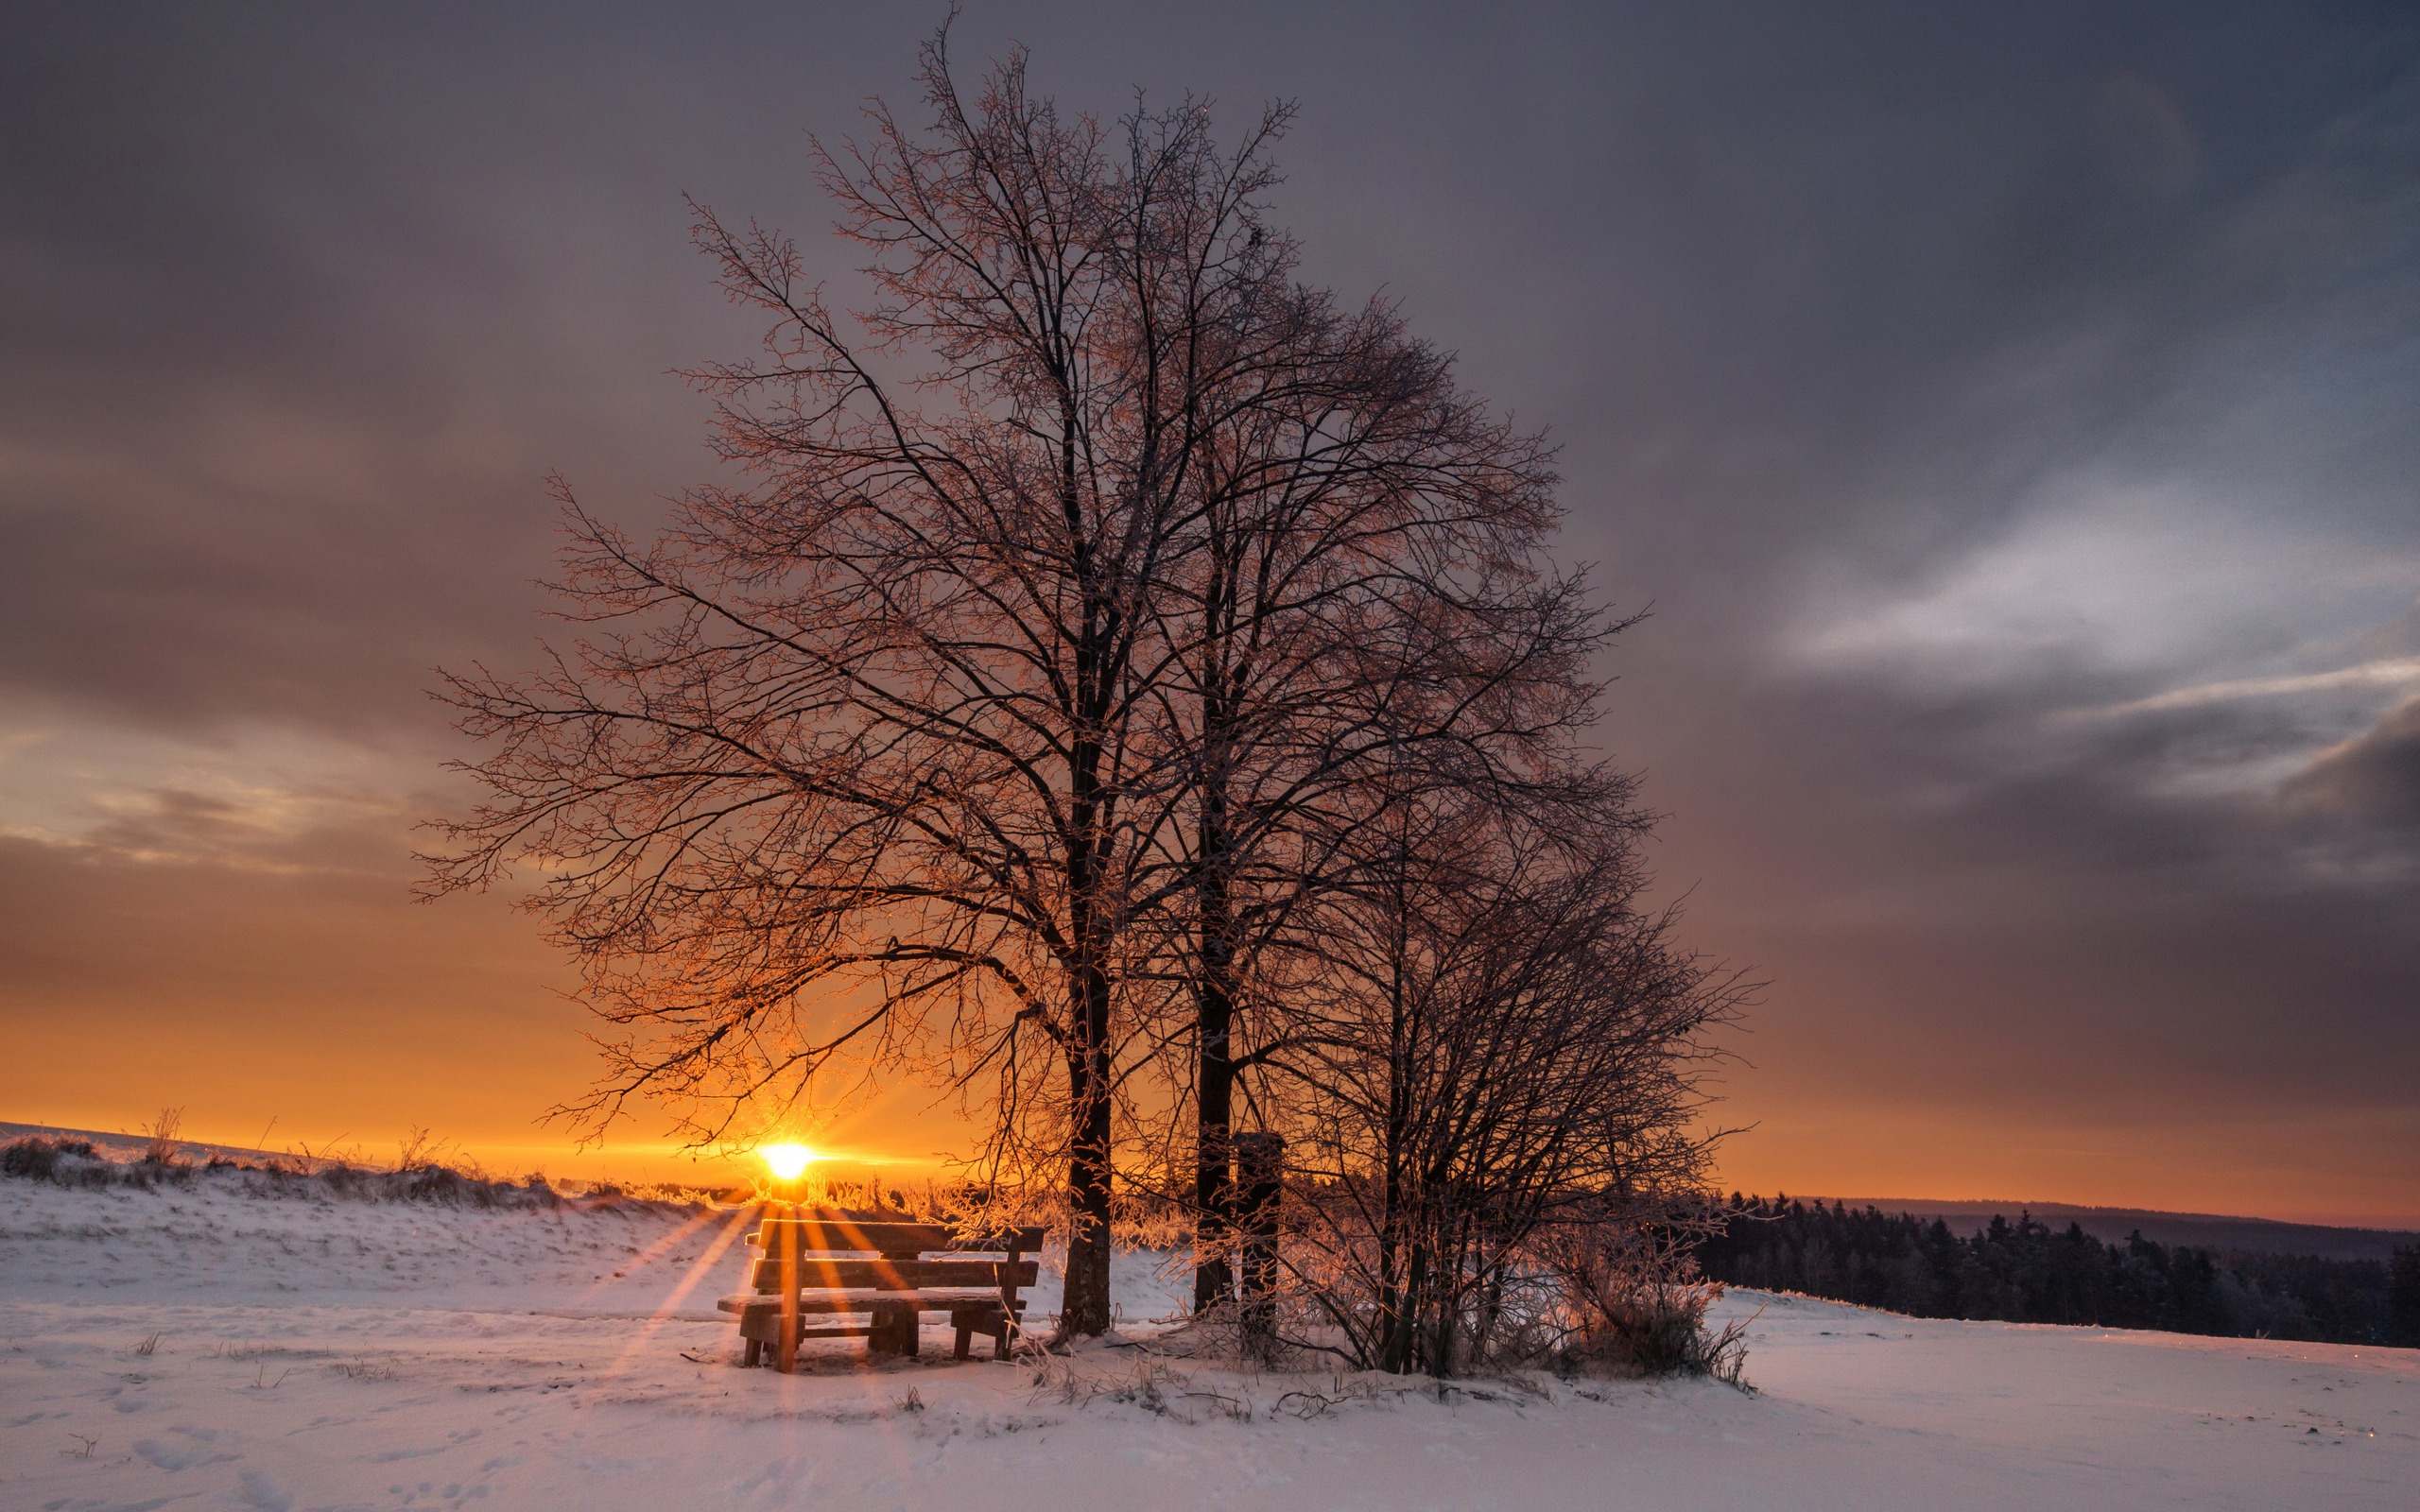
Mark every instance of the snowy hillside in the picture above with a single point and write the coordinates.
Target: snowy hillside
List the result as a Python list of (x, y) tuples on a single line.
[(310, 1353)]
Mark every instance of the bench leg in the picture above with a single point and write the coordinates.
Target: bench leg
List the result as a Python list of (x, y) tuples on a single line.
[(893, 1331), (911, 1331), (754, 1354), (965, 1339)]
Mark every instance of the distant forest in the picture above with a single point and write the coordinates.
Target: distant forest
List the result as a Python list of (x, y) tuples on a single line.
[(2028, 1272)]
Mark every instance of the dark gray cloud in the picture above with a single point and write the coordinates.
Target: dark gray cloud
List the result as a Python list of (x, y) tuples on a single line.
[(2374, 777), (2008, 412)]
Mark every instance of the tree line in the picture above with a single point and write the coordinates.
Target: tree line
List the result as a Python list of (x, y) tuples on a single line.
[(1125, 686), (2028, 1272)]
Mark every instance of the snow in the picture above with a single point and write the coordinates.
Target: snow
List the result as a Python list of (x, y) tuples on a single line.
[(354, 1354)]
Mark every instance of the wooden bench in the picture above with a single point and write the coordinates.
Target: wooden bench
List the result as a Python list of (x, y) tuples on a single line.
[(816, 1265)]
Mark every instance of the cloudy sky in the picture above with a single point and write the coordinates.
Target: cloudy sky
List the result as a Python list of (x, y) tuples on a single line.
[(2009, 417)]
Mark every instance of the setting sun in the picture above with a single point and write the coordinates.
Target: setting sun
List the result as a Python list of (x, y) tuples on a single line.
[(786, 1161)]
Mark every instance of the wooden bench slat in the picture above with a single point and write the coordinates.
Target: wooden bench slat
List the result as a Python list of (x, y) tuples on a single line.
[(757, 1302), (904, 1239), (816, 1274)]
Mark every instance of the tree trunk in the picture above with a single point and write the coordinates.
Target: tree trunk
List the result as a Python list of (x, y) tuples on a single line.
[(1402, 1349), (1085, 1305), (1214, 1185)]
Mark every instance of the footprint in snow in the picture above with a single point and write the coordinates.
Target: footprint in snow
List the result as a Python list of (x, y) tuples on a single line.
[(266, 1494), (170, 1455)]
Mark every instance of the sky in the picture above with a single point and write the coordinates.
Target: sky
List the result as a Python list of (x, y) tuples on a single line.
[(2006, 414)]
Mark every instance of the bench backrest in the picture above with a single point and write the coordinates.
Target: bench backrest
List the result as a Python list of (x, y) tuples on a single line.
[(892, 1240), (823, 1243), (823, 1272)]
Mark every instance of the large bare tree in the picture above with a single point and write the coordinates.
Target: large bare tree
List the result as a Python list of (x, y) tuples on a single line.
[(1033, 679), (866, 732)]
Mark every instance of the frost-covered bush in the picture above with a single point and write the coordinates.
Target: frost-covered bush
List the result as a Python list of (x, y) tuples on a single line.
[(34, 1157), (1657, 1330), (1494, 1057), (1637, 1303), (441, 1185), (1585, 1284), (68, 1162), (75, 1164)]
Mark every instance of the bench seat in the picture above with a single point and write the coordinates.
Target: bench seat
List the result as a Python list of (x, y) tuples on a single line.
[(894, 1319)]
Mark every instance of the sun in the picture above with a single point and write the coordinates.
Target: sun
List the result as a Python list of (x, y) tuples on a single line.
[(786, 1161)]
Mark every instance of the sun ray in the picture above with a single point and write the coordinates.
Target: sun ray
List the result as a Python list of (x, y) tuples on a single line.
[(648, 1255), (681, 1289)]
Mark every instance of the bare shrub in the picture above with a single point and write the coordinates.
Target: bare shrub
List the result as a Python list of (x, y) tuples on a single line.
[(1661, 1329), (1637, 1305), (71, 1164), (419, 1150), (332, 1178), (1490, 1075), (160, 1138), (30, 1157), (1499, 1054), (365, 1369)]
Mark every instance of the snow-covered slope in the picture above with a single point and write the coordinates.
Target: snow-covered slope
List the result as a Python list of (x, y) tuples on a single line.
[(308, 1354)]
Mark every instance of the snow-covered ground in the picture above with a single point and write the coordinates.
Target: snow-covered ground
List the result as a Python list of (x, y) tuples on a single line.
[(191, 1347)]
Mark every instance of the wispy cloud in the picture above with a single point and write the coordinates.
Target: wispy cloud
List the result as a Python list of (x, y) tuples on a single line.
[(260, 798), (2393, 671)]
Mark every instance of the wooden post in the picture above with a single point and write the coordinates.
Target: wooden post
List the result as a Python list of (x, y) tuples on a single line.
[(1260, 1163), (786, 1348), (1010, 1321), (1214, 1271)]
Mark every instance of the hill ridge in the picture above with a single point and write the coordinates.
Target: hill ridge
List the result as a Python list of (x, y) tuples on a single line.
[(2204, 1231)]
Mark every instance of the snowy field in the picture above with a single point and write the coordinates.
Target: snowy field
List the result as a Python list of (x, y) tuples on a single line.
[(196, 1347)]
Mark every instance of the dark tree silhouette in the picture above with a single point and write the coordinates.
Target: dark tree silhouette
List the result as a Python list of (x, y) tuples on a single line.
[(861, 767), (1088, 598)]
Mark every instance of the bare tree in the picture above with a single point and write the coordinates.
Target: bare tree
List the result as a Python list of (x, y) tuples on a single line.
[(1088, 598), (1499, 1047), (1359, 579), (1326, 706), (856, 763)]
